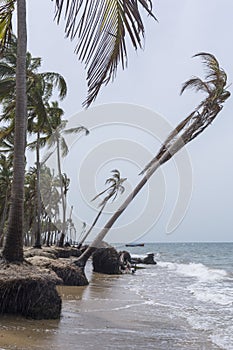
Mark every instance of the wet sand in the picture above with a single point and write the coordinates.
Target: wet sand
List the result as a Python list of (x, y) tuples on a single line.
[(104, 315)]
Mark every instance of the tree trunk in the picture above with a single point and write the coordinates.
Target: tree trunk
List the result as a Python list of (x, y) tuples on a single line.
[(38, 214), (91, 228), (174, 148), (63, 199), (49, 232), (13, 248), (4, 216)]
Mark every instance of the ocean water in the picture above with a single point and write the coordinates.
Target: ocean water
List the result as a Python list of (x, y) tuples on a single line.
[(192, 283), (184, 302)]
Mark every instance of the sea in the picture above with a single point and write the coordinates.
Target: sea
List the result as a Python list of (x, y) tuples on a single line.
[(185, 301)]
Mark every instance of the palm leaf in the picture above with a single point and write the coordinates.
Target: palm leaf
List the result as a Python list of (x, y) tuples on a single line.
[(6, 10), (101, 28), (64, 147), (214, 74), (197, 84), (77, 130)]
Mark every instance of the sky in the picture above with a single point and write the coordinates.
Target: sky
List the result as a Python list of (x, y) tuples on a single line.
[(132, 116)]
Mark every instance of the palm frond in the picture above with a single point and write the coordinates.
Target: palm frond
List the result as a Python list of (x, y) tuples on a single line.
[(6, 11), (101, 28), (196, 84), (214, 74), (64, 147), (77, 130), (57, 81)]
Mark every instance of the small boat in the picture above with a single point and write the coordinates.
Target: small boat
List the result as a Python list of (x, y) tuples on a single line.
[(135, 245)]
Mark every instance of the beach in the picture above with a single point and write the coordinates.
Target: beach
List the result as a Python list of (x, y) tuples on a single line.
[(180, 303)]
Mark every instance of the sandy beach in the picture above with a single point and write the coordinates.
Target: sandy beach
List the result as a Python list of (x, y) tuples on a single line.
[(109, 313)]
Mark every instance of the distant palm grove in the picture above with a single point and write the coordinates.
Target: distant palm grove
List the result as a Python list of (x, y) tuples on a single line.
[(44, 222)]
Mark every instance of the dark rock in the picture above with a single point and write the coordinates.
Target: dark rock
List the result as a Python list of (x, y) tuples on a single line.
[(148, 259)]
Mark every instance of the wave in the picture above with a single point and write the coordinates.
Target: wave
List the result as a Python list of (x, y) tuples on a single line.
[(202, 272)]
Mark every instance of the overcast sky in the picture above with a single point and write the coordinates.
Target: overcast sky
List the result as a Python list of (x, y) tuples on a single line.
[(152, 81)]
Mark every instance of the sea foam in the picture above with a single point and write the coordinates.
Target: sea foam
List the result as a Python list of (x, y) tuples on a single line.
[(200, 271)]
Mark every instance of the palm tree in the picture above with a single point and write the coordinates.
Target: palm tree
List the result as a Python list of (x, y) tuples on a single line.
[(40, 87), (61, 147), (101, 27), (40, 110), (13, 248), (214, 86), (51, 197), (116, 187)]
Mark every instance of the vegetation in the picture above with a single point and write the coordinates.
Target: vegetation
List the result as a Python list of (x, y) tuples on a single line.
[(112, 191), (101, 29)]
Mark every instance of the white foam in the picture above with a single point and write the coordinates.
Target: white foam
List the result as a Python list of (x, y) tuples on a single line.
[(200, 271), (223, 341), (215, 293)]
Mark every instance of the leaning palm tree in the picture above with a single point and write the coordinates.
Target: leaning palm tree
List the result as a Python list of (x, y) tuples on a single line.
[(57, 139), (214, 86), (116, 187)]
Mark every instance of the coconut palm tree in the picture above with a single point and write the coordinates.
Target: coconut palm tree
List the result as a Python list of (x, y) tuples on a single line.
[(13, 248), (214, 86), (116, 187), (57, 139)]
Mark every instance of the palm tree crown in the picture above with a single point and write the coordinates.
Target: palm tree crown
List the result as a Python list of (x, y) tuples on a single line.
[(114, 189), (214, 86)]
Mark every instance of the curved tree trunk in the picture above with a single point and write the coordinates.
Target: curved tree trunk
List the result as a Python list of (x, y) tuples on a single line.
[(92, 226), (13, 248)]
